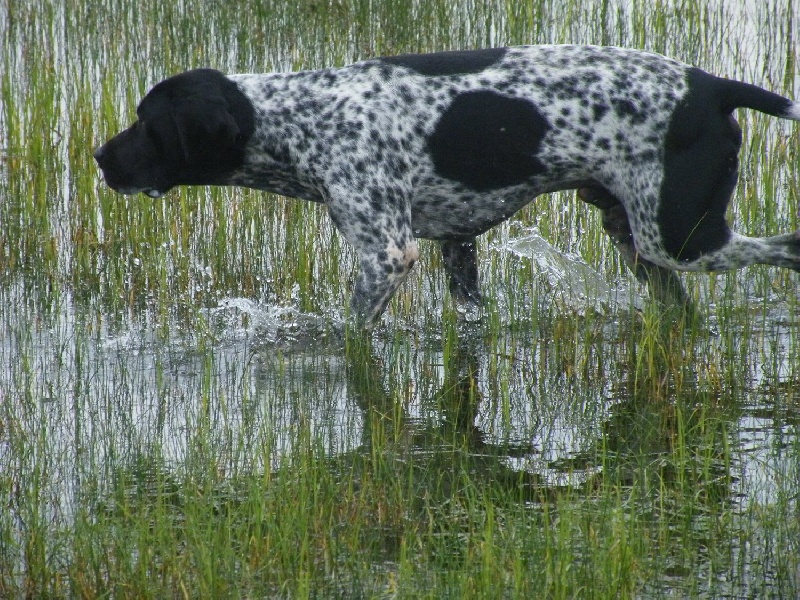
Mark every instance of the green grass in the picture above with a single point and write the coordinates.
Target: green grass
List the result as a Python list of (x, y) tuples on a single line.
[(181, 414)]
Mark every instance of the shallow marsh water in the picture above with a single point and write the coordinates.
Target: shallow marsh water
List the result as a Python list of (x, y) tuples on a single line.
[(182, 413)]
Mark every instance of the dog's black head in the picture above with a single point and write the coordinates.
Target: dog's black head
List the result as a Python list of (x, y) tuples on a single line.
[(192, 130)]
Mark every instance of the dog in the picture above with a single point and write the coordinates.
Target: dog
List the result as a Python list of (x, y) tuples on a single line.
[(447, 145)]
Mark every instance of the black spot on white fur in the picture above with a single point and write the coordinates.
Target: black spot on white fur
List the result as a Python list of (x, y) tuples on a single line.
[(447, 145), (456, 62), (488, 141)]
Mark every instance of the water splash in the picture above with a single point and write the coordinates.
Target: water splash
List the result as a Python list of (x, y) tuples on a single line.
[(286, 327), (572, 282)]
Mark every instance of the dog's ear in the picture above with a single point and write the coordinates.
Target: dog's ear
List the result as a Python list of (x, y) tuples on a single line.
[(206, 130)]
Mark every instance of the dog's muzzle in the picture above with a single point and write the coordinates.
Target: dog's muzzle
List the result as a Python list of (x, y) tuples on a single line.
[(101, 157)]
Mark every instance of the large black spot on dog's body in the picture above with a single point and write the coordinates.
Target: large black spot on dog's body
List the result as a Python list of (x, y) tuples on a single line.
[(454, 62), (487, 141)]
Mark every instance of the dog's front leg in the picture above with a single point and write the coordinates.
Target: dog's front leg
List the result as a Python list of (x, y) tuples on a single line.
[(385, 245), (382, 268)]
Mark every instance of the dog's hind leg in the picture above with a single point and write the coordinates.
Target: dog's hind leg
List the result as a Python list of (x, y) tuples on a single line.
[(664, 284), (741, 251), (461, 265)]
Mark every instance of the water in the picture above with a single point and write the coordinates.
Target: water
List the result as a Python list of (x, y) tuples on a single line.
[(82, 399), (80, 384)]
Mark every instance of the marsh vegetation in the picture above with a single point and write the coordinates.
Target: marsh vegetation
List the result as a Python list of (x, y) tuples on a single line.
[(183, 415)]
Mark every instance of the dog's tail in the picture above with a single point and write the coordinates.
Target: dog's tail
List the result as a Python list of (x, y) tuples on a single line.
[(734, 94)]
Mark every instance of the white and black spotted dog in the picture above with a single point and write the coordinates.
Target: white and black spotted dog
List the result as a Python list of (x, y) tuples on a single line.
[(447, 145)]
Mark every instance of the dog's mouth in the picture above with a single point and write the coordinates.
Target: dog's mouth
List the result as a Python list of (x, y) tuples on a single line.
[(132, 191)]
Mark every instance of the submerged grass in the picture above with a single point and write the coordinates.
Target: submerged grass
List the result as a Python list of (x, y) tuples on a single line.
[(181, 416)]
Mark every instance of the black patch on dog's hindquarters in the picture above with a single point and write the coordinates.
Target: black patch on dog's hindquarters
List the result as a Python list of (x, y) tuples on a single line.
[(488, 141), (454, 62), (700, 172)]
